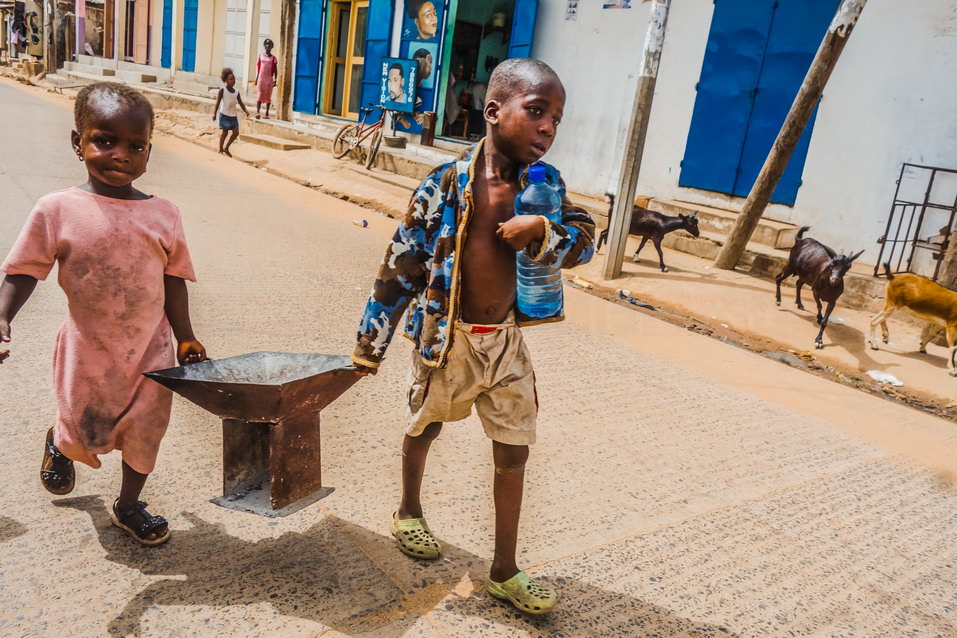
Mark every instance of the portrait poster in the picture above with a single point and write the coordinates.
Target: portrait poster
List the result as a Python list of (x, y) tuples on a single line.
[(422, 20), (397, 88), (426, 55)]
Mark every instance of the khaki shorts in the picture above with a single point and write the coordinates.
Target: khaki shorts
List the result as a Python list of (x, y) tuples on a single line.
[(492, 371)]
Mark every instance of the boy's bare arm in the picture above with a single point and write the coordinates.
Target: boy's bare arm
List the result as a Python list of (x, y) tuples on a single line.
[(14, 292), (189, 349), (522, 230)]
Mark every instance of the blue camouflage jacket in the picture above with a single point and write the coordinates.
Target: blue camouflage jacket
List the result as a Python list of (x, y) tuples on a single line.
[(422, 265)]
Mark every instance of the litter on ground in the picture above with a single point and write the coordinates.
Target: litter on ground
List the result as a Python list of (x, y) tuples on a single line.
[(884, 377)]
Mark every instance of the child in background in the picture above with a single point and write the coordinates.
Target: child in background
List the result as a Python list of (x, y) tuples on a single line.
[(123, 262), (266, 71), (229, 98)]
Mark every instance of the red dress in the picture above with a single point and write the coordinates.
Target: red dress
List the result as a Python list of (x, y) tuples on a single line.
[(265, 68)]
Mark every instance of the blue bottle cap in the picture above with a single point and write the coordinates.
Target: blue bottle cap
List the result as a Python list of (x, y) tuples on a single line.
[(536, 173)]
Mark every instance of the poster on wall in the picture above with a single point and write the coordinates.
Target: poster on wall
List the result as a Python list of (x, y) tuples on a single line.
[(571, 11), (422, 20), (426, 55), (624, 4), (397, 88)]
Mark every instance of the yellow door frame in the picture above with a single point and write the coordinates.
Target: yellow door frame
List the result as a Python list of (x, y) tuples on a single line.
[(348, 62)]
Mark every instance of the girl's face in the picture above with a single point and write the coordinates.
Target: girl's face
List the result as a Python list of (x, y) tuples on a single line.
[(230, 80), (268, 46), (115, 141), (427, 21)]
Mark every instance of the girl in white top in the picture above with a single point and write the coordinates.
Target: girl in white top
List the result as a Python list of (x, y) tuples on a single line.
[(228, 99)]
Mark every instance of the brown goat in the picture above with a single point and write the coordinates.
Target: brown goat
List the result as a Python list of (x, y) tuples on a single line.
[(926, 300), (821, 268)]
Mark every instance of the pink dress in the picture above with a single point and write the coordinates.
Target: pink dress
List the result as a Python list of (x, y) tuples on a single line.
[(112, 256), (265, 67)]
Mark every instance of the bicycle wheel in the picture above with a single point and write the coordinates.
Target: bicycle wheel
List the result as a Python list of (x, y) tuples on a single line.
[(374, 148), (346, 139)]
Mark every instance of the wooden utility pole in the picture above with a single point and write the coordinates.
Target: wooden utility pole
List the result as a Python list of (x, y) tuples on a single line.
[(620, 218), (287, 41), (797, 119)]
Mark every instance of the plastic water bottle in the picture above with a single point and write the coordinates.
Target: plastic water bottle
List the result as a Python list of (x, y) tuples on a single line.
[(539, 286)]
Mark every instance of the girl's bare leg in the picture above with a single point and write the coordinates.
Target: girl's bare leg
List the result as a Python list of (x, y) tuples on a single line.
[(222, 138), (130, 491), (232, 138)]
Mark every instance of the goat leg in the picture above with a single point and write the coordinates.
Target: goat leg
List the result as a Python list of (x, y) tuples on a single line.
[(602, 236), (817, 300), (819, 342), (928, 334), (797, 294), (880, 318), (661, 257), (644, 240), (777, 281), (951, 348)]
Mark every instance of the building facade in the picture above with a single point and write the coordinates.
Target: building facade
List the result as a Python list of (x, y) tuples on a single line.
[(729, 71)]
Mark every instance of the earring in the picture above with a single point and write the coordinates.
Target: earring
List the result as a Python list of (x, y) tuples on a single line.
[(79, 156)]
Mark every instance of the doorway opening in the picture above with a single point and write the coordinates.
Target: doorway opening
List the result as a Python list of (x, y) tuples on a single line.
[(346, 57), (480, 40)]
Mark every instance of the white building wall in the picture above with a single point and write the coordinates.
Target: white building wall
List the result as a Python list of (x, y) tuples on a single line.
[(596, 57), (890, 100)]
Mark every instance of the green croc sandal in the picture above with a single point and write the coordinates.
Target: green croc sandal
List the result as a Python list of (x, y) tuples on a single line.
[(415, 538), (524, 593)]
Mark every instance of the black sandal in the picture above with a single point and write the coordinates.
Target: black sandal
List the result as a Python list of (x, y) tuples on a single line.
[(57, 473), (148, 525)]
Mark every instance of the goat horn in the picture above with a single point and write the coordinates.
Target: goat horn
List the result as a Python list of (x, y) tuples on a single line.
[(857, 255)]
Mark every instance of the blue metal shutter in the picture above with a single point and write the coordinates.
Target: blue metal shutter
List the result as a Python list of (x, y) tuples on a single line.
[(190, 17), (166, 60), (378, 39), (308, 56), (729, 75), (796, 32), (523, 29)]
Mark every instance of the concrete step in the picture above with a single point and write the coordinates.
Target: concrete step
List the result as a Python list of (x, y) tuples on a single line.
[(89, 69), (721, 221), (92, 60), (137, 77), (271, 141)]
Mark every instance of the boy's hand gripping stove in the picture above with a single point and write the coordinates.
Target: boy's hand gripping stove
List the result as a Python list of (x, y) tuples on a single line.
[(269, 403)]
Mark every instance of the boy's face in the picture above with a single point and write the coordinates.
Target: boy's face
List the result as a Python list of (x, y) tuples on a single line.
[(524, 125), (396, 85), (115, 142), (426, 21)]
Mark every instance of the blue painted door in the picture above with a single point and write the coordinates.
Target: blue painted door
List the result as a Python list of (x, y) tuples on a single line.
[(378, 39), (308, 56), (523, 29), (167, 56), (757, 56), (190, 17)]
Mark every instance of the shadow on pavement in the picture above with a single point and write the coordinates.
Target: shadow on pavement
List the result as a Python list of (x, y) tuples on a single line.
[(10, 529), (354, 581)]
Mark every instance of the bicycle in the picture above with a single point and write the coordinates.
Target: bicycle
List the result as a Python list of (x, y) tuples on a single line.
[(351, 135)]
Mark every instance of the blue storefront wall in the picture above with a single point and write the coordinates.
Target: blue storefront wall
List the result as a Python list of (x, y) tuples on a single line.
[(190, 18), (310, 52), (757, 55), (167, 58)]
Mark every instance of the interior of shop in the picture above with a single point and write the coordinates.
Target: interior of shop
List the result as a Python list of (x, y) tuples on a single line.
[(479, 42)]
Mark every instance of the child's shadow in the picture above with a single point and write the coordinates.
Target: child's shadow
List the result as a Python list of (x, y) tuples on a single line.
[(325, 575)]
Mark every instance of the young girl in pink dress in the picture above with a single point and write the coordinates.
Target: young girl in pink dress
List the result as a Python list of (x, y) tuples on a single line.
[(123, 262), (266, 70)]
